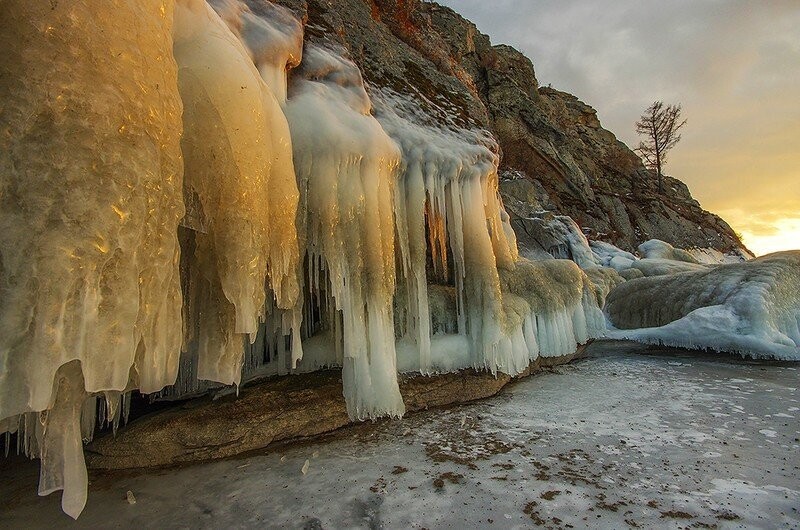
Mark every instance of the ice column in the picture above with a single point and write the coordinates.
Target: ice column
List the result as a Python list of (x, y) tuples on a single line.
[(90, 200), (345, 166)]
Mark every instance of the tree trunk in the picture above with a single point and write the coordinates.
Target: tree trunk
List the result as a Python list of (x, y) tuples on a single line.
[(658, 168)]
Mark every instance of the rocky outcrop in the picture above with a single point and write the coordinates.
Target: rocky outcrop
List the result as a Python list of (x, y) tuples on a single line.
[(555, 154)]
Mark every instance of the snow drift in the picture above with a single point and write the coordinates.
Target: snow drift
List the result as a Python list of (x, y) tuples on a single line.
[(751, 308)]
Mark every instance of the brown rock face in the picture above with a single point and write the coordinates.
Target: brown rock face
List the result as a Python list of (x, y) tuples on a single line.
[(553, 145)]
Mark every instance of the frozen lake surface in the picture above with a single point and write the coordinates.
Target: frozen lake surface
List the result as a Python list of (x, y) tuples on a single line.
[(669, 439)]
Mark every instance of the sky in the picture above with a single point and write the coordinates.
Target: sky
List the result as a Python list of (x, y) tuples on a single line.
[(734, 66)]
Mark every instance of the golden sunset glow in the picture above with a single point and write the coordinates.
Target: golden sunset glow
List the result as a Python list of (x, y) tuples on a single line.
[(786, 237)]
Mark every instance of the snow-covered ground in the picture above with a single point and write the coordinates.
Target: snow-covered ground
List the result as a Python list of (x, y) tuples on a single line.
[(618, 440)]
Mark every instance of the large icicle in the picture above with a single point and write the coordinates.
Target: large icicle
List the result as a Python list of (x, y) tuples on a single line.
[(90, 200), (237, 154), (345, 166)]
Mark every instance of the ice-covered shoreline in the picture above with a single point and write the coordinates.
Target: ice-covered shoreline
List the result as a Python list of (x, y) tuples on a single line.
[(667, 439)]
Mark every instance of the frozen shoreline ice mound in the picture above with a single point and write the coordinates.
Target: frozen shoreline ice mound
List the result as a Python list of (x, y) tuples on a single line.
[(90, 200), (561, 306), (657, 249), (750, 308), (603, 280), (238, 161), (661, 267), (604, 252), (346, 166), (658, 258)]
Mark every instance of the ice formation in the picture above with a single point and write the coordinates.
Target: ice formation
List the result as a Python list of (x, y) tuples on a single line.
[(751, 308), (91, 180), (200, 218), (238, 161), (346, 166), (446, 198)]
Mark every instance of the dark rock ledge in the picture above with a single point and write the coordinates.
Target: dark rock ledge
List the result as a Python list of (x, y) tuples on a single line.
[(281, 409)]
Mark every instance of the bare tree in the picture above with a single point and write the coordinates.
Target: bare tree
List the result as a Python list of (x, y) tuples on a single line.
[(660, 124)]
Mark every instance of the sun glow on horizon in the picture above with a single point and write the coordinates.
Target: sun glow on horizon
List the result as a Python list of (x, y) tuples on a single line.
[(785, 237)]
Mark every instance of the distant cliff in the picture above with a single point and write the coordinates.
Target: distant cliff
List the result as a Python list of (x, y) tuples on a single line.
[(555, 154)]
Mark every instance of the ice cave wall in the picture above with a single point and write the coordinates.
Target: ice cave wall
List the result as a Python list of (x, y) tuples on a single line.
[(345, 223)]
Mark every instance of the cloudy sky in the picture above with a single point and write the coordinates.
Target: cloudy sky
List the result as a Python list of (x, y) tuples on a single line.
[(733, 65)]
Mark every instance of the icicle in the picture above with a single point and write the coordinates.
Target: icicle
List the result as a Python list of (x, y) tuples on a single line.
[(88, 418), (238, 160), (61, 447), (345, 168)]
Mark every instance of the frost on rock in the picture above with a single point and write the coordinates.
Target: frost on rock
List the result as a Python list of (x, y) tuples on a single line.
[(712, 256), (90, 200), (557, 235), (751, 308), (656, 248)]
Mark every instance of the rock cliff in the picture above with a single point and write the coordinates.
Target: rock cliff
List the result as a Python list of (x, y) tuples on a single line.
[(556, 155)]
